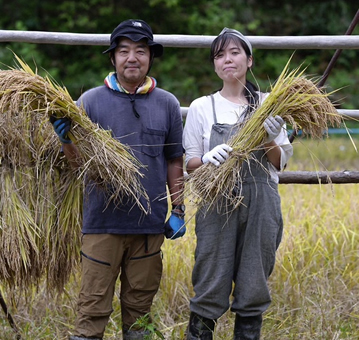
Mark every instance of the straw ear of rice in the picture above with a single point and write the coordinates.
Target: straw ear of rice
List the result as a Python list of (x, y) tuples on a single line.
[(41, 195), (298, 101), (105, 159)]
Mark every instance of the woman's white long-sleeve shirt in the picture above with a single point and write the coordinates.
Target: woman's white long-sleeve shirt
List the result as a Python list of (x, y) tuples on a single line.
[(199, 121)]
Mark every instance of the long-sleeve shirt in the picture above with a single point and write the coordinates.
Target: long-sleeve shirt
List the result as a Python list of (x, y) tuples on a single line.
[(199, 123)]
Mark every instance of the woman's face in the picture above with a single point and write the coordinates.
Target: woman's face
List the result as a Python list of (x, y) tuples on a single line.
[(231, 63)]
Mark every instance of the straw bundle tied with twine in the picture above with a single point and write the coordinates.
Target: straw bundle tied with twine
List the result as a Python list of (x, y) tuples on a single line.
[(298, 101), (41, 196)]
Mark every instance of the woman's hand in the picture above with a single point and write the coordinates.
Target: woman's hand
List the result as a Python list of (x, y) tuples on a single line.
[(217, 155), (273, 126)]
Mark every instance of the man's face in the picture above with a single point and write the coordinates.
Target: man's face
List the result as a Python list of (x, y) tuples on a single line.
[(131, 60)]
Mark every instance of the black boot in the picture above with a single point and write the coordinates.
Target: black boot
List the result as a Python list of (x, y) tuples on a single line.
[(74, 337), (136, 335), (247, 328), (200, 327)]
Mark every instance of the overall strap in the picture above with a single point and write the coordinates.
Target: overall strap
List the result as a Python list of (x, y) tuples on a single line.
[(213, 110)]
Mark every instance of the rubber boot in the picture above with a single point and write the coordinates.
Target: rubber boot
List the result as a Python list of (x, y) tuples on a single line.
[(247, 328), (136, 335), (200, 327), (74, 337)]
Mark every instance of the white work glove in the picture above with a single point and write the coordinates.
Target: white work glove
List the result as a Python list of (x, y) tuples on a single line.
[(273, 126), (217, 155)]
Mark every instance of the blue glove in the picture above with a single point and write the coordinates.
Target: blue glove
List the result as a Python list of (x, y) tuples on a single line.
[(61, 126), (175, 226)]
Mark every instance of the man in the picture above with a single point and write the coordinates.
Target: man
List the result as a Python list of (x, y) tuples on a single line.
[(121, 239)]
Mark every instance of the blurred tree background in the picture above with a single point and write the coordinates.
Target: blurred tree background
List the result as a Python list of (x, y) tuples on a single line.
[(186, 72)]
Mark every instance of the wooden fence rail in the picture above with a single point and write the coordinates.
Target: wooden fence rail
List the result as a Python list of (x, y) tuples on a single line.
[(347, 114), (190, 41), (202, 41), (320, 177)]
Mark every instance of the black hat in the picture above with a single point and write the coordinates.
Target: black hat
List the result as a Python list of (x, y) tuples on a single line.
[(135, 30)]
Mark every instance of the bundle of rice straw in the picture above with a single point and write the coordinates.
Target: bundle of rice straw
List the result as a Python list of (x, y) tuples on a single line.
[(298, 101), (41, 196)]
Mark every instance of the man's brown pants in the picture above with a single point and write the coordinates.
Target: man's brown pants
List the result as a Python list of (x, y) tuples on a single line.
[(104, 256)]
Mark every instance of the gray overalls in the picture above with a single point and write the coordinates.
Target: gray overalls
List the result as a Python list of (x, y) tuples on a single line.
[(237, 246)]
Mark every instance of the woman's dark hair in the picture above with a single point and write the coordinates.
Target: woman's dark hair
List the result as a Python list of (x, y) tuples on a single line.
[(219, 44), (252, 97), (222, 41)]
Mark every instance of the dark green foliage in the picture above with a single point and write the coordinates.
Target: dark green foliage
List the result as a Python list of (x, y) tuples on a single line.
[(186, 72)]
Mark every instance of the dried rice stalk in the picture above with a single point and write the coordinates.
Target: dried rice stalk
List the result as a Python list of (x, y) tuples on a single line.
[(41, 196), (106, 161), (298, 101)]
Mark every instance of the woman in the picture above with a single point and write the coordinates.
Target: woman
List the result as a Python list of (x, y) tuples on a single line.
[(234, 246)]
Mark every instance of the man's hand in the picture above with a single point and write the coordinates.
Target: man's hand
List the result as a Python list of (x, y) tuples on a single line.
[(175, 226), (61, 126), (273, 126), (217, 155)]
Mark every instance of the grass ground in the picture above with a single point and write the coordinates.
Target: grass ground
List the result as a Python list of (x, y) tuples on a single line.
[(315, 284)]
